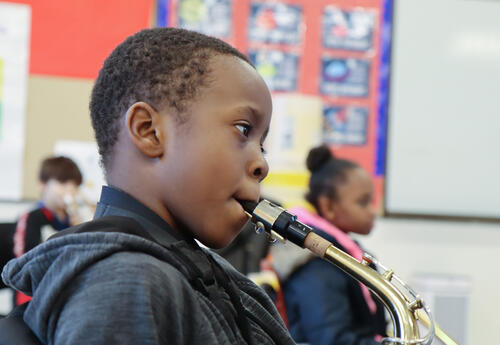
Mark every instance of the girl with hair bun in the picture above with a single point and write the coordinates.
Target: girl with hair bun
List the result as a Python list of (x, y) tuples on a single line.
[(324, 305)]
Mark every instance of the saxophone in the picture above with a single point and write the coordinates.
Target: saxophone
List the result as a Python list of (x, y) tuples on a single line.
[(405, 306)]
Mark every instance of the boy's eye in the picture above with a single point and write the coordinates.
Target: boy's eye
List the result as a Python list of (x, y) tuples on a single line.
[(262, 149), (244, 129)]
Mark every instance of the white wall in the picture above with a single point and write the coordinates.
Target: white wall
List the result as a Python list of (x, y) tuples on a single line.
[(10, 211), (468, 249), (443, 143), (443, 102)]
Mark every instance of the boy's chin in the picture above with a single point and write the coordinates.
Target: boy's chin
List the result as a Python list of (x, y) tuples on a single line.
[(218, 242)]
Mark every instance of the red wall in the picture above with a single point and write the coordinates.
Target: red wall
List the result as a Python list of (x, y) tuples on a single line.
[(71, 38)]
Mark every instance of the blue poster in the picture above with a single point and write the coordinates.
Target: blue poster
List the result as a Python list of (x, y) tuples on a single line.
[(349, 30), (210, 17), (345, 125), (275, 23), (345, 77), (278, 68)]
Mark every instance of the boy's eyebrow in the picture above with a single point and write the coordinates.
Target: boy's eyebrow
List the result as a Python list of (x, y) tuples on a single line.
[(249, 110), (254, 113), (256, 116)]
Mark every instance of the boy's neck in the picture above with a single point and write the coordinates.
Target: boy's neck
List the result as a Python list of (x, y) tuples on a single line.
[(145, 197), (121, 175)]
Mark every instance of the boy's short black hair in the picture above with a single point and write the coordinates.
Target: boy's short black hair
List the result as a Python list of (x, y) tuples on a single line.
[(161, 66), (60, 168)]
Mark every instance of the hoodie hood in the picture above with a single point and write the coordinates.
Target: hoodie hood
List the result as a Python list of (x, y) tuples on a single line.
[(49, 268)]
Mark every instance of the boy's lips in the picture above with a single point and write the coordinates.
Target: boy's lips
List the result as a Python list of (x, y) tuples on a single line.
[(244, 202)]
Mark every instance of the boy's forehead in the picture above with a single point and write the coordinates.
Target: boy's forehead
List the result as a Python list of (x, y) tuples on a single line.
[(216, 69), (236, 75), (231, 82)]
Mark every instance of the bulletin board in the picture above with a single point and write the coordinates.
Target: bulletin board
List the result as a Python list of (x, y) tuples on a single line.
[(337, 52)]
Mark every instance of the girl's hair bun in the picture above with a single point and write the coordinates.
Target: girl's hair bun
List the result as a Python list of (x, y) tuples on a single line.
[(318, 157)]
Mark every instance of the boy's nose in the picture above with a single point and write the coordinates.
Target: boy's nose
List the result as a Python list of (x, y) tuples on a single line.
[(259, 168)]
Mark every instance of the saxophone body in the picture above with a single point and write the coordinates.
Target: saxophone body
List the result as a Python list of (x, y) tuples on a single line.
[(405, 307)]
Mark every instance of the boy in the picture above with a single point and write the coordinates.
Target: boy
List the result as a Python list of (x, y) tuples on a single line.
[(59, 179), (180, 119)]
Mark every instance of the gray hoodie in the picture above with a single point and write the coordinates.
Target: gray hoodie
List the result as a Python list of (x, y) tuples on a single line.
[(83, 294), (118, 288)]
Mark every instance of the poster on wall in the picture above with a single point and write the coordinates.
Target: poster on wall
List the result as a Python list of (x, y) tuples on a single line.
[(278, 68), (295, 129), (345, 125), (347, 77), (348, 29), (15, 22), (210, 17), (334, 51), (276, 23)]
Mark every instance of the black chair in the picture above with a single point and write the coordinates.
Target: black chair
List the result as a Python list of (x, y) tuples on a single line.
[(6, 245), (13, 330), (6, 252)]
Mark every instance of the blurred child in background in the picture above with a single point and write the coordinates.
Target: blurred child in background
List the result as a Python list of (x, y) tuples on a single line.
[(59, 179), (324, 305)]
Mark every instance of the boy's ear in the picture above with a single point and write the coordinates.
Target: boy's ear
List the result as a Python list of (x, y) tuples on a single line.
[(326, 207), (143, 124)]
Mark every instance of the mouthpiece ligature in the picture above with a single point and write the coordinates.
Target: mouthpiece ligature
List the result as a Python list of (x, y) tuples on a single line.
[(276, 221)]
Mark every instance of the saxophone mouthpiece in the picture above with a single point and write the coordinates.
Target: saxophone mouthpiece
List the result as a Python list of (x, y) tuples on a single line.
[(276, 221), (249, 206)]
